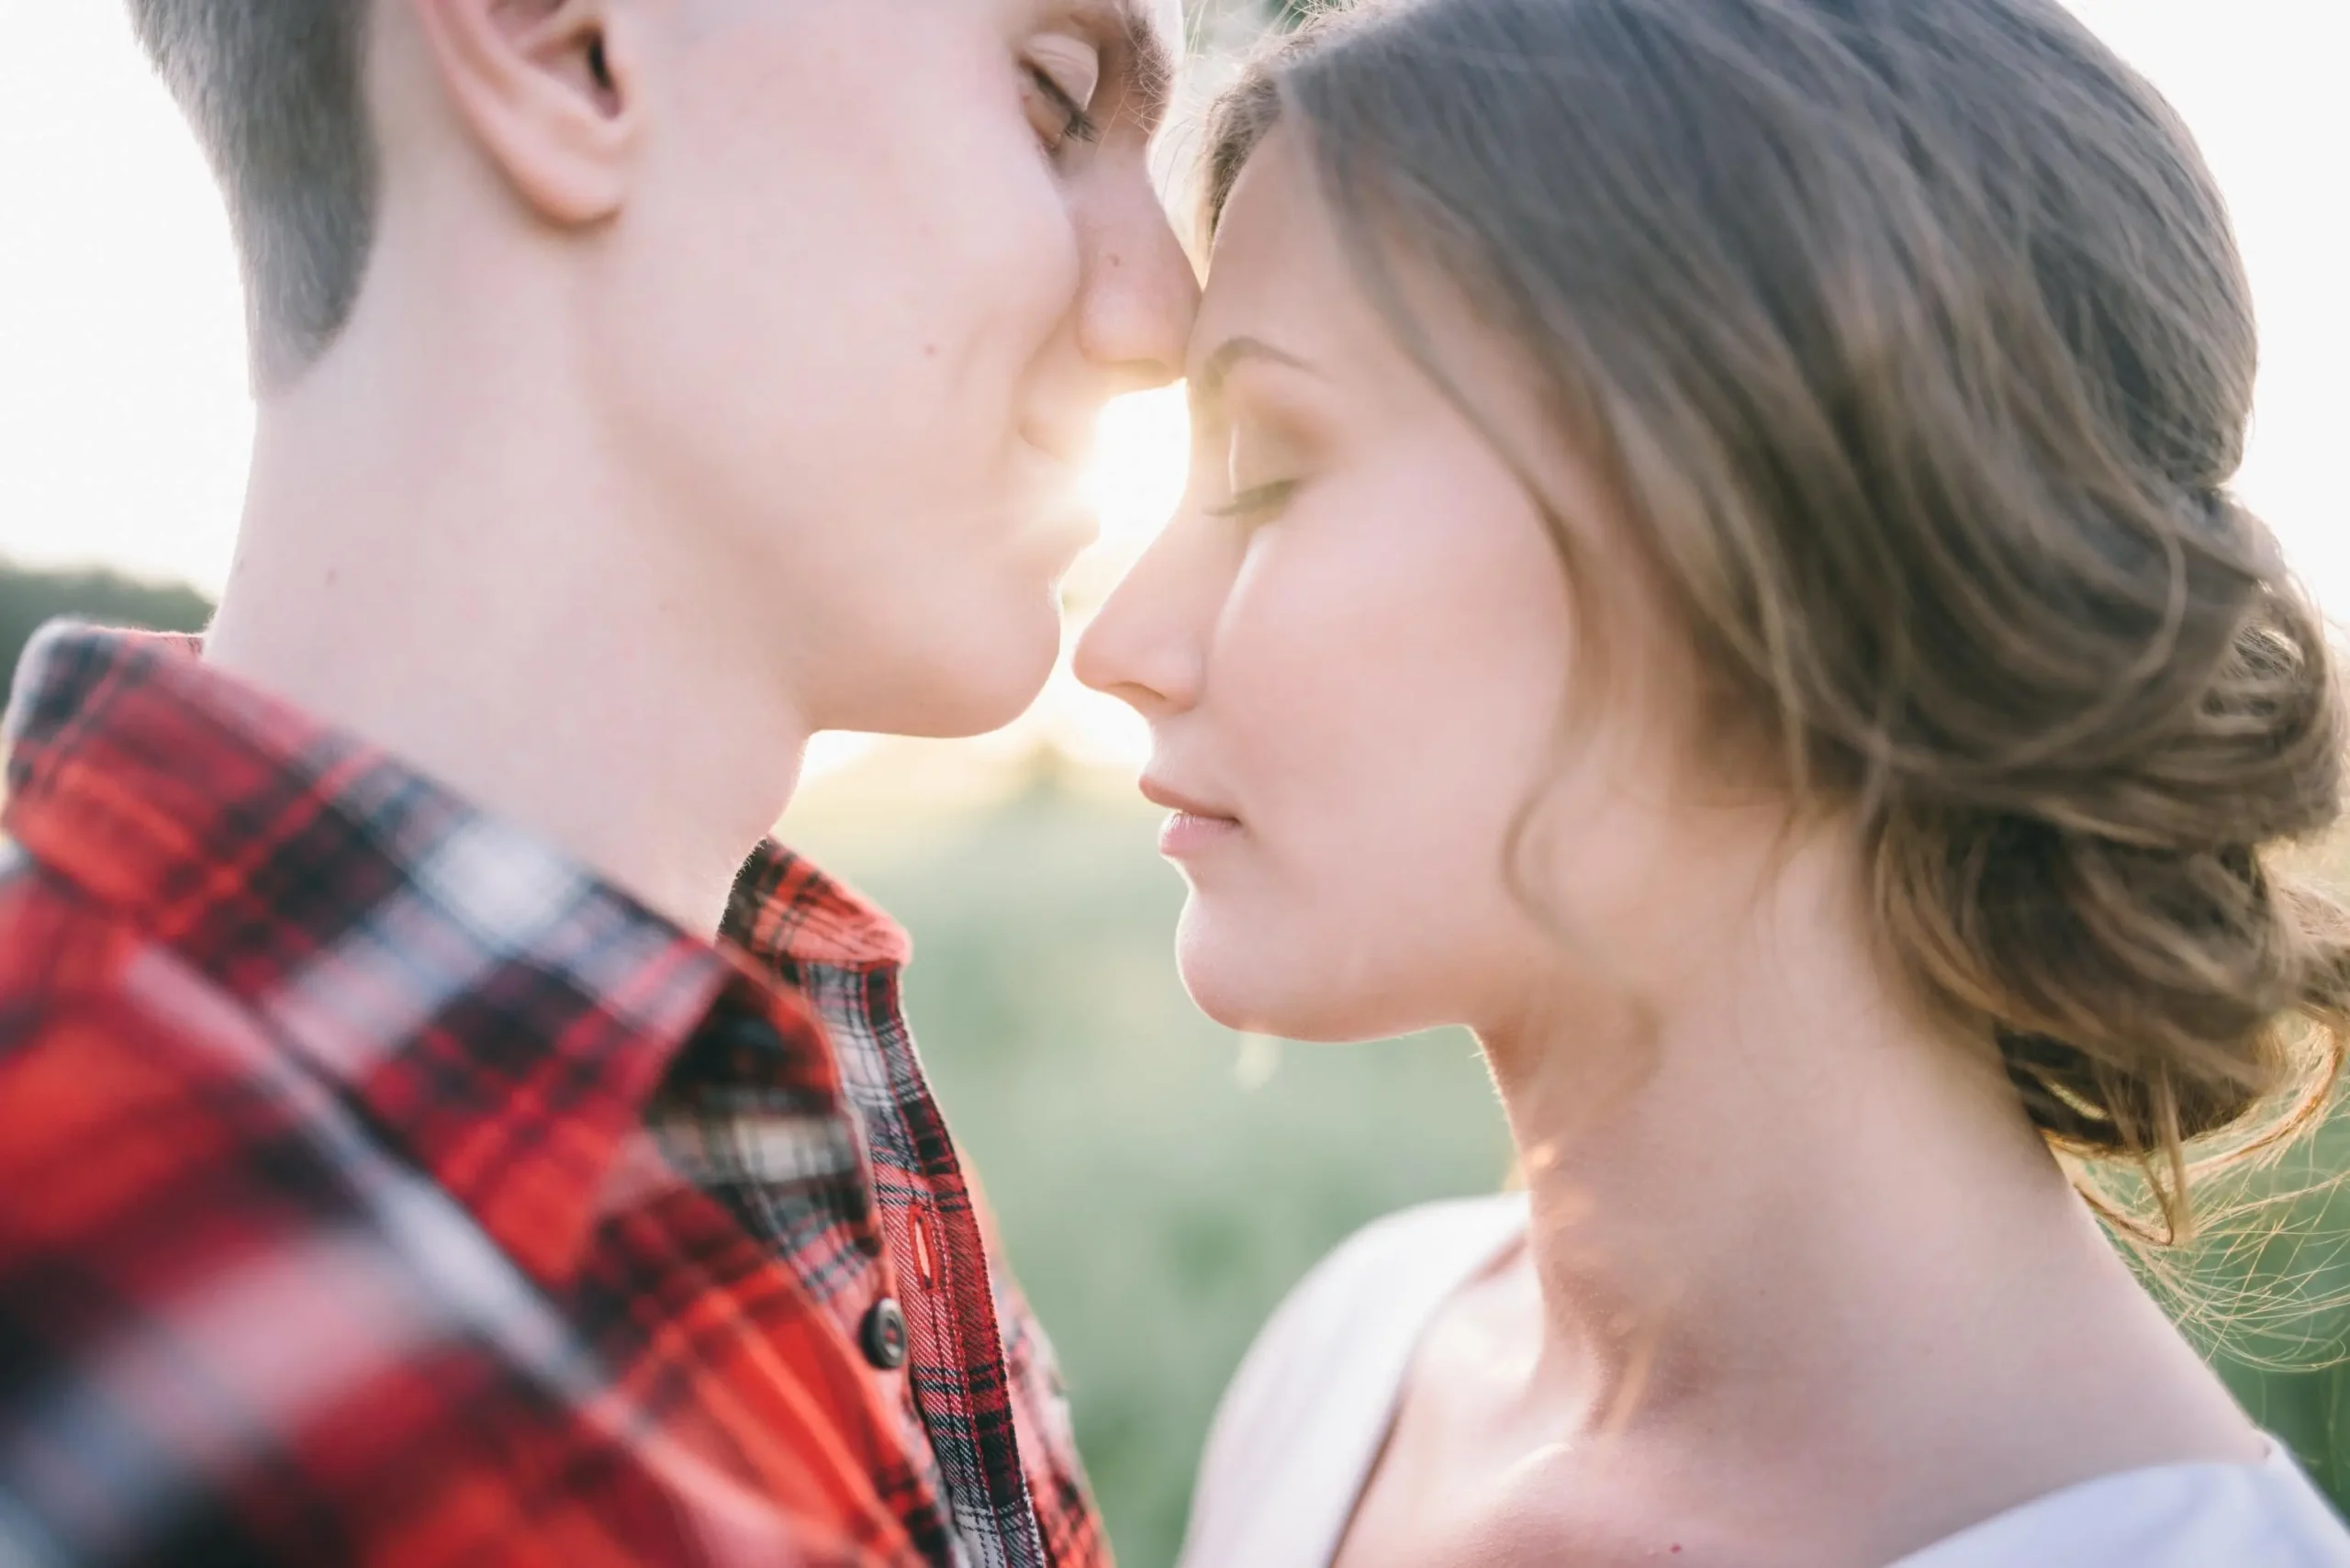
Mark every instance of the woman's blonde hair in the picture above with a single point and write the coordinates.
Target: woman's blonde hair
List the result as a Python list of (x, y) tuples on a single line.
[(1915, 340)]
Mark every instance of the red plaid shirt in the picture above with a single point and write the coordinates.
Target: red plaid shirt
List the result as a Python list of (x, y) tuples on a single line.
[(377, 1187)]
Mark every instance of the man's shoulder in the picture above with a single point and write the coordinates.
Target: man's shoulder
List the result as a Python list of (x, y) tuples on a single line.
[(60, 956), (110, 1053), (39, 913)]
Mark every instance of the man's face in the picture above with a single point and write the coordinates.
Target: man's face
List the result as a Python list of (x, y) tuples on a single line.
[(880, 265)]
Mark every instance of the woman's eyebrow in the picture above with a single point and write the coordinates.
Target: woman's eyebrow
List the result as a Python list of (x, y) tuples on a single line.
[(1207, 383)]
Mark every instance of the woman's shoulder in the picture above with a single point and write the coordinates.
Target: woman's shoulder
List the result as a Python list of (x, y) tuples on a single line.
[(2175, 1516), (1376, 1290), (1303, 1418), (1452, 1236)]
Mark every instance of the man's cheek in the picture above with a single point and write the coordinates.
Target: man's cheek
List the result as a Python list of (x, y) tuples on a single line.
[(1025, 258)]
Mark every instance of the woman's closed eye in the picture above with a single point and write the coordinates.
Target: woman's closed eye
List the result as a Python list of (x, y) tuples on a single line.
[(1260, 472), (1258, 503)]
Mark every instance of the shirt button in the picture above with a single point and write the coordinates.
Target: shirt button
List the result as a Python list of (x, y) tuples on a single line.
[(884, 1335)]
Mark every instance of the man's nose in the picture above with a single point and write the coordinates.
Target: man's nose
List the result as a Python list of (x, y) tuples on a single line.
[(1141, 290)]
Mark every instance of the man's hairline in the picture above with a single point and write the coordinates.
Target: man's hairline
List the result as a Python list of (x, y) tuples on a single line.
[(1154, 53), (1151, 30)]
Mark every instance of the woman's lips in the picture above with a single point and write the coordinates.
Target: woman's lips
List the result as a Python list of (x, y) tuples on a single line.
[(1187, 833), (1195, 826)]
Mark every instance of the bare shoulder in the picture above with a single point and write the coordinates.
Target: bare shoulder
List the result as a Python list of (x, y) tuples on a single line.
[(1301, 1424), (1412, 1241)]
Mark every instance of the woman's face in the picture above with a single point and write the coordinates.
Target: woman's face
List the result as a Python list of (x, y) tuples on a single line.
[(1354, 649)]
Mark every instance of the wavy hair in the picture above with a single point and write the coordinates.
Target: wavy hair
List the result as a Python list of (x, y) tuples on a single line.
[(1915, 340)]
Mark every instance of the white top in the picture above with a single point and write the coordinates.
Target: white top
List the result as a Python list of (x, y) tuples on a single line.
[(1307, 1415)]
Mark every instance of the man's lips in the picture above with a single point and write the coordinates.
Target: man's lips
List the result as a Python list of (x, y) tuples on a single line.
[(1071, 448)]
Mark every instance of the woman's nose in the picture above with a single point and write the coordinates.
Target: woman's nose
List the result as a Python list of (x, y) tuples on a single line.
[(1146, 648)]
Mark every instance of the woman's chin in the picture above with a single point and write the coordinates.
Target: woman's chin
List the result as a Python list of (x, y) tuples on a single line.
[(1234, 1007), (1237, 983), (1246, 987), (1302, 981)]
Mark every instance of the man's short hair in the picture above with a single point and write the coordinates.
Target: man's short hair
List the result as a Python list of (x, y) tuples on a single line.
[(272, 88)]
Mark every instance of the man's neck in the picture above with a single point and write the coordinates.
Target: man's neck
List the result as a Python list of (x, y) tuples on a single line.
[(443, 569)]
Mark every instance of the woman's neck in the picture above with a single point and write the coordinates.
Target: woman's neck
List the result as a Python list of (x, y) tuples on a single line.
[(1786, 1204)]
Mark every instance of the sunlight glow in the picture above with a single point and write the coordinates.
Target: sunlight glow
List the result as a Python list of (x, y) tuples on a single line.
[(1141, 449), (1135, 479), (1142, 453)]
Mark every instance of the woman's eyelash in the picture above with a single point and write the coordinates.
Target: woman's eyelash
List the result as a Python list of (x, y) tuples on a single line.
[(1081, 125), (1258, 501)]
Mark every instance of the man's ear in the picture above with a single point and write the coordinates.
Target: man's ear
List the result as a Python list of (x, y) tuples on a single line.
[(548, 90)]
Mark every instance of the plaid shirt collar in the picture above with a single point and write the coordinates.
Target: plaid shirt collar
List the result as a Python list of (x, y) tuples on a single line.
[(214, 861)]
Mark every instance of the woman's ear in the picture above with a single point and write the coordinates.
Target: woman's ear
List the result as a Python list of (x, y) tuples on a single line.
[(548, 88)]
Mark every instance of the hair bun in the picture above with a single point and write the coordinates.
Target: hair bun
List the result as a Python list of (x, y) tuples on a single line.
[(2124, 931)]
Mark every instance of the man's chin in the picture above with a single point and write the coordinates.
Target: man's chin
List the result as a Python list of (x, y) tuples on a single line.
[(973, 694)]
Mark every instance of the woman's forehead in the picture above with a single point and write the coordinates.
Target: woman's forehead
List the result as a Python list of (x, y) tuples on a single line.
[(1284, 272), (1276, 270)]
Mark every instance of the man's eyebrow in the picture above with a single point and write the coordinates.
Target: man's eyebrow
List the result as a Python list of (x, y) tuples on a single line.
[(1207, 386), (1147, 53)]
